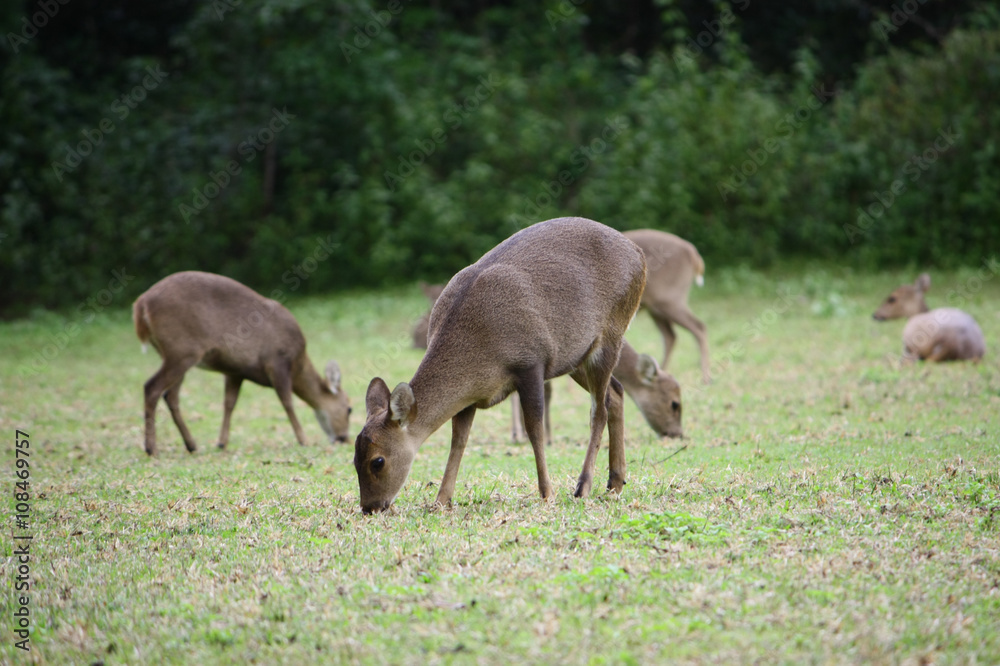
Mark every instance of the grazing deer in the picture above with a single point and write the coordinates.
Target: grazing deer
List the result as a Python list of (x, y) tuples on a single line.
[(673, 264), (431, 291), (655, 392), (942, 334), (553, 299), (214, 322)]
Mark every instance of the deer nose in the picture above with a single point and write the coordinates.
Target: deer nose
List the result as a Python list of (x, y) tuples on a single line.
[(340, 439)]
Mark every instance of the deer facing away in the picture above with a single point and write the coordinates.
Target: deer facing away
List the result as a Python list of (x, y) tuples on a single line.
[(673, 264), (194, 318), (553, 299), (655, 392), (942, 334)]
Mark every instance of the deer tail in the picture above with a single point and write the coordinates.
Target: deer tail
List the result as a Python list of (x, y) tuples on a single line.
[(141, 322), (699, 266)]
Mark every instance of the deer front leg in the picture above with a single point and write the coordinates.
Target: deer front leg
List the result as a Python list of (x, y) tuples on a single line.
[(233, 383), (516, 419), (281, 379), (461, 424), (595, 377), (616, 436)]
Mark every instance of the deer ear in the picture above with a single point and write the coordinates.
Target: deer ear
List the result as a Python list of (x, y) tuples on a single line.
[(377, 398), (333, 376), (923, 282), (647, 368), (402, 404)]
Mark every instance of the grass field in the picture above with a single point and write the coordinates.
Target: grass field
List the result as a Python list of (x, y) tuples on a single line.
[(827, 505)]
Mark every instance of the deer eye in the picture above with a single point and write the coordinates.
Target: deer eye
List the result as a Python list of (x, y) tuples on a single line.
[(891, 299), (349, 410), (675, 405), (377, 464)]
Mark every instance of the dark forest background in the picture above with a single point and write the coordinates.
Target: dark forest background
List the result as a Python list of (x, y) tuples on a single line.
[(316, 145)]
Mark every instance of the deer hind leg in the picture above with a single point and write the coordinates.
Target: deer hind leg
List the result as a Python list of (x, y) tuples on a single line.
[(233, 383), (548, 407), (517, 431), (166, 383), (531, 387), (280, 375), (595, 376), (683, 317), (669, 337), (461, 424)]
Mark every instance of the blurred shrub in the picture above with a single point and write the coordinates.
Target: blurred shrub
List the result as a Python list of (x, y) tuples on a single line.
[(409, 151)]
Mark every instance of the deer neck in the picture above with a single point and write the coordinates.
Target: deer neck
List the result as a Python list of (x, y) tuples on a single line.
[(307, 383), (442, 387)]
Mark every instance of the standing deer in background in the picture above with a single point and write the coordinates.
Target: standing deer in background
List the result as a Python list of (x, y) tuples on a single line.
[(655, 392), (553, 299), (431, 291), (673, 264), (942, 334), (214, 322)]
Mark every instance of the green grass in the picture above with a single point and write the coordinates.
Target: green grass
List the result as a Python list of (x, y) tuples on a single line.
[(829, 506)]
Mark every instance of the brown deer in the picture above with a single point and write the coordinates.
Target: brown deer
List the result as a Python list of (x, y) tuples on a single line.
[(214, 322), (942, 334), (553, 299), (673, 264), (431, 291), (655, 392)]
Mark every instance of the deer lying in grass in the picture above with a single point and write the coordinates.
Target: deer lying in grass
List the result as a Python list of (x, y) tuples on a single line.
[(214, 322), (553, 299), (673, 264), (655, 392), (942, 334)]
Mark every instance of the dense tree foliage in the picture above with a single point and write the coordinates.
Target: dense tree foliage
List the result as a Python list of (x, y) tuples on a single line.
[(302, 145)]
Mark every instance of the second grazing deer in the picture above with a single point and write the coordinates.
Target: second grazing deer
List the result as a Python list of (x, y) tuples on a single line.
[(212, 321), (942, 334), (655, 392), (553, 299)]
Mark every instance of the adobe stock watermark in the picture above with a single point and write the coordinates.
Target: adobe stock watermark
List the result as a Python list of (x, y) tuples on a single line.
[(901, 14), (563, 12), (120, 107), (223, 7), (959, 297), (248, 149), (293, 277), (913, 169), (783, 130), (86, 312), (453, 117), (364, 34), (714, 29), (47, 10), (581, 158), (751, 331)]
